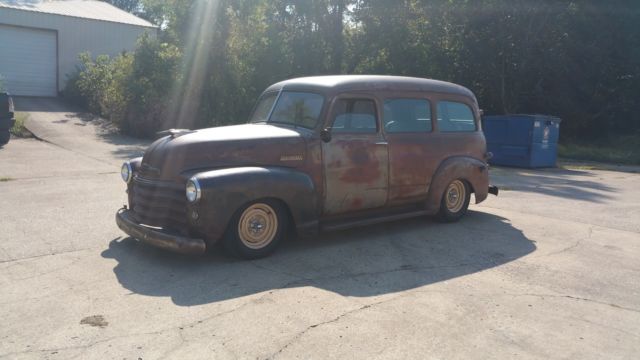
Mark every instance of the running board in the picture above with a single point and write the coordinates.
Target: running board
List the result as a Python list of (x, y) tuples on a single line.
[(370, 221)]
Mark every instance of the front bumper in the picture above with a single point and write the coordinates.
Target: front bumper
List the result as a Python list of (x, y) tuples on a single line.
[(158, 237)]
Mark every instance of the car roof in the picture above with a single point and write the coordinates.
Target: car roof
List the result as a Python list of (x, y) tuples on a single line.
[(371, 82)]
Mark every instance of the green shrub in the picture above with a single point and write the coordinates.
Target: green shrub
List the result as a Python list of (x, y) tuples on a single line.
[(71, 91), (114, 98), (621, 149), (149, 87), (132, 90), (18, 128), (94, 80)]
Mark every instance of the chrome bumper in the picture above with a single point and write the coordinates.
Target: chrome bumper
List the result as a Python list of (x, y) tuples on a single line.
[(158, 238)]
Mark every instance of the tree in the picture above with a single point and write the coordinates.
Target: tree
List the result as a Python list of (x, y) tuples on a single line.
[(132, 6), (579, 60)]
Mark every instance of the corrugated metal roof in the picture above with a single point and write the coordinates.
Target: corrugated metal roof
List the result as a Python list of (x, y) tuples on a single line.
[(86, 9)]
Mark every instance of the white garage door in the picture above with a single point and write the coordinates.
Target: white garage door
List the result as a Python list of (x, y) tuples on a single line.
[(28, 61)]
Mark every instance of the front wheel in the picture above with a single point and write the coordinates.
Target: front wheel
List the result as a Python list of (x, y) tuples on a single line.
[(455, 201), (256, 229)]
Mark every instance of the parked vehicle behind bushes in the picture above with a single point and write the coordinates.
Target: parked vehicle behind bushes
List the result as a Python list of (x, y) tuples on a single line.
[(6, 117)]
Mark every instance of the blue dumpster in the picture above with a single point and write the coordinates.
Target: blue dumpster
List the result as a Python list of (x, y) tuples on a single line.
[(529, 141)]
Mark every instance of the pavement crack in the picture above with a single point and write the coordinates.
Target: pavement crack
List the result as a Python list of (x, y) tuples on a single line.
[(45, 255), (569, 248), (70, 149), (300, 334), (578, 298), (177, 329), (606, 326), (403, 268), (75, 175)]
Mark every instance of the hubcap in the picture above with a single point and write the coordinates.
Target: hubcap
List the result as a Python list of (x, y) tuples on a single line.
[(455, 196), (257, 226)]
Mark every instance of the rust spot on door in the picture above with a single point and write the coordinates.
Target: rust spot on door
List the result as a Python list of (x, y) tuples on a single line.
[(362, 166)]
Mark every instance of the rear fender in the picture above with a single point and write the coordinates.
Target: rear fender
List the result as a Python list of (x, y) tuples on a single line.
[(474, 171), (224, 191)]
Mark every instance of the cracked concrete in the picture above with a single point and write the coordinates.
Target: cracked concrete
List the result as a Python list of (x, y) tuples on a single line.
[(546, 270), (297, 336)]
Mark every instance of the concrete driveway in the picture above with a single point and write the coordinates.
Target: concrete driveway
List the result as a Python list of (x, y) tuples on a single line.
[(549, 269)]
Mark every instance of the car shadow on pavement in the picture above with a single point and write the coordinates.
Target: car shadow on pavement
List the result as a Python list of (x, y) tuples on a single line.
[(564, 183), (375, 260)]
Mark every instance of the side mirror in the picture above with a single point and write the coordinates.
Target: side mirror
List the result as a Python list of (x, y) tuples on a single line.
[(325, 135)]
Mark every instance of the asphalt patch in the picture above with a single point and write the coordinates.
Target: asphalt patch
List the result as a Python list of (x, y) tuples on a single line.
[(95, 320)]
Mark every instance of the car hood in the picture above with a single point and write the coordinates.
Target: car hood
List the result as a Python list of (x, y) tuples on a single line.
[(175, 157)]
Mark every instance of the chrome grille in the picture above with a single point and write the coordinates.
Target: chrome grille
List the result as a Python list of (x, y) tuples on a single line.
[(159, 203)]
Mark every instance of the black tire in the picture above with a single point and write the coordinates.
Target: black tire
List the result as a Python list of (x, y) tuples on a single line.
[(4, 137), (452, 210), (261, 213)]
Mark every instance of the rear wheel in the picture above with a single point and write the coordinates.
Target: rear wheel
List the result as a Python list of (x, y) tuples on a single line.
[(256, 229), (455, 201)]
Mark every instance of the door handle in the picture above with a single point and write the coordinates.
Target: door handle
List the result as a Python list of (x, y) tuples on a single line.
[(382, 143)]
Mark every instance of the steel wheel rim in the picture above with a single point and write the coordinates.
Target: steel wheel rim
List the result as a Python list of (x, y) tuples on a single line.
[(257, 226), (455, 196)]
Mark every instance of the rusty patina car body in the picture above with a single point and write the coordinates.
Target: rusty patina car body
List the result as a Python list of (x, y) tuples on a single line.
[(319, 153)]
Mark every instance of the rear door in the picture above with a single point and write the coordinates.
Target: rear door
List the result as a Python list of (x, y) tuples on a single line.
[(414, 149)]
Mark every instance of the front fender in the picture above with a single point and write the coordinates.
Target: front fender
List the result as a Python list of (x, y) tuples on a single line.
[(224, 191), (474, 171)]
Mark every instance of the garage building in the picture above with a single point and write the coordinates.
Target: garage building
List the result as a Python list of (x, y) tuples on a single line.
[(40, 40)]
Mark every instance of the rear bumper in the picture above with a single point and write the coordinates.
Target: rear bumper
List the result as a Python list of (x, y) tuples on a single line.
[(157, 237)]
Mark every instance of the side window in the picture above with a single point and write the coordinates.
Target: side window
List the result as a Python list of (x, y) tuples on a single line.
[(455, 117), (407, 115), (354, 116)]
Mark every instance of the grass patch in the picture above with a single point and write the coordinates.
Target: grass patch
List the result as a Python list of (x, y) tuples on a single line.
[(619, 150), (5, 179), (18, 128)]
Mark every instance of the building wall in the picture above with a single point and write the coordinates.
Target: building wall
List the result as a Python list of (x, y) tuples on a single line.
[(76, 35)]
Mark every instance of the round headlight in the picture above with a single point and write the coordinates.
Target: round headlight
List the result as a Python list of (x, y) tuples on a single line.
[(126, 172), (193, 191)]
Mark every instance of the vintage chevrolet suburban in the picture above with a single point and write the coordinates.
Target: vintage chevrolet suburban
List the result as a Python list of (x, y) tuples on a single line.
[(319, 153)]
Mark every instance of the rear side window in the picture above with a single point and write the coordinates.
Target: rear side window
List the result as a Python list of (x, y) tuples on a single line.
[(455, 117), (407, 116), (354, 116)]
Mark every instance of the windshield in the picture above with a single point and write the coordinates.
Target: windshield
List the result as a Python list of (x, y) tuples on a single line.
[(295, 108)]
